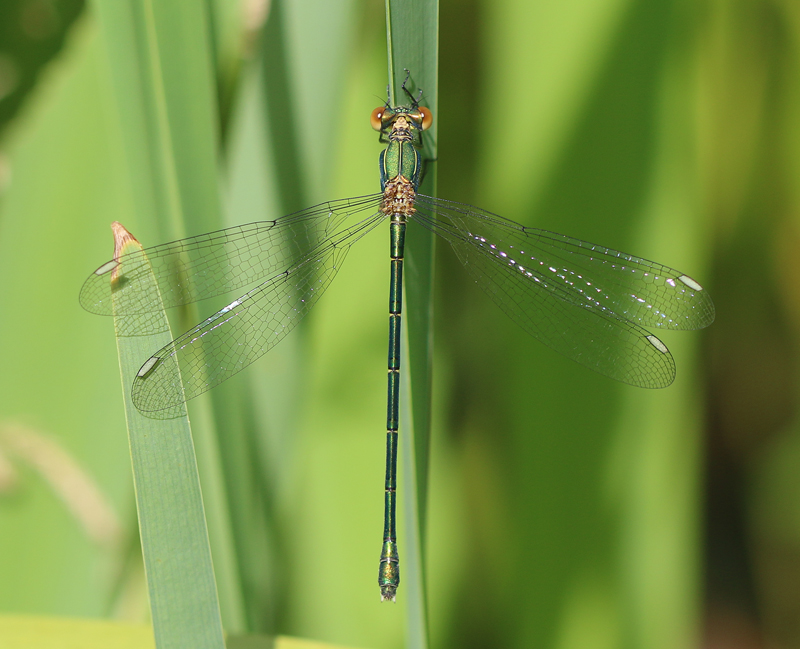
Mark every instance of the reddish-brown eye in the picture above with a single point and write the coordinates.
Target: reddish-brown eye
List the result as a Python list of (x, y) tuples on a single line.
[(427, 117), (375, 118)]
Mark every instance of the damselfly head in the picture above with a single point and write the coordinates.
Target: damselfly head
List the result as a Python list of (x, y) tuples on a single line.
[(383, 117)]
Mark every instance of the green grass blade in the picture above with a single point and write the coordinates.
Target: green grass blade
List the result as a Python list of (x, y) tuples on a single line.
[(172, 525), (235, 406), (227, 28), (276, 163), (413, 42), (160, 61)]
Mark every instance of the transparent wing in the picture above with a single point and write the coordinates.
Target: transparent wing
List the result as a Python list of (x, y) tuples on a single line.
[(241, 332), (213, 264), (587, 302)]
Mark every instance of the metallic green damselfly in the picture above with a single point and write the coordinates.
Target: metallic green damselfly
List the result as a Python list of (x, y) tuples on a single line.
[(588, 302)]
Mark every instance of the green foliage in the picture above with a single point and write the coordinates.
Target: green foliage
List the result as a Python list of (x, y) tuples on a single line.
[(159, 61), (177, 557), (32, 32), (561, 510)]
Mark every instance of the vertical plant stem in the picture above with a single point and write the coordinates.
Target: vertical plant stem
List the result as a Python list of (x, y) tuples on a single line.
[(412, 40)]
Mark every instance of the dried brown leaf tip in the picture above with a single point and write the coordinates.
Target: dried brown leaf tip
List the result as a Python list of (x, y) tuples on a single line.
[(122, 239)]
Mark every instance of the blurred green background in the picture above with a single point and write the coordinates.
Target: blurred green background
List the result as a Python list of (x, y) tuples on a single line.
[(566, 510)]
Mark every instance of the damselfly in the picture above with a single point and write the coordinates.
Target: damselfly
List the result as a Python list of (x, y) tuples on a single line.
[(590, 303)]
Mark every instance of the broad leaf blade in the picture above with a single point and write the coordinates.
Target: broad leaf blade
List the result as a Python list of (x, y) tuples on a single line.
[(172, 524)]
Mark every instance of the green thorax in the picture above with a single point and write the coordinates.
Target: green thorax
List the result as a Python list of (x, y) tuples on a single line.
[(401, 128)]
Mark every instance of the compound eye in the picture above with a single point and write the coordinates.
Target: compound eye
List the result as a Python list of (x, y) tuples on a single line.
[(375, 119), (427, 117)]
